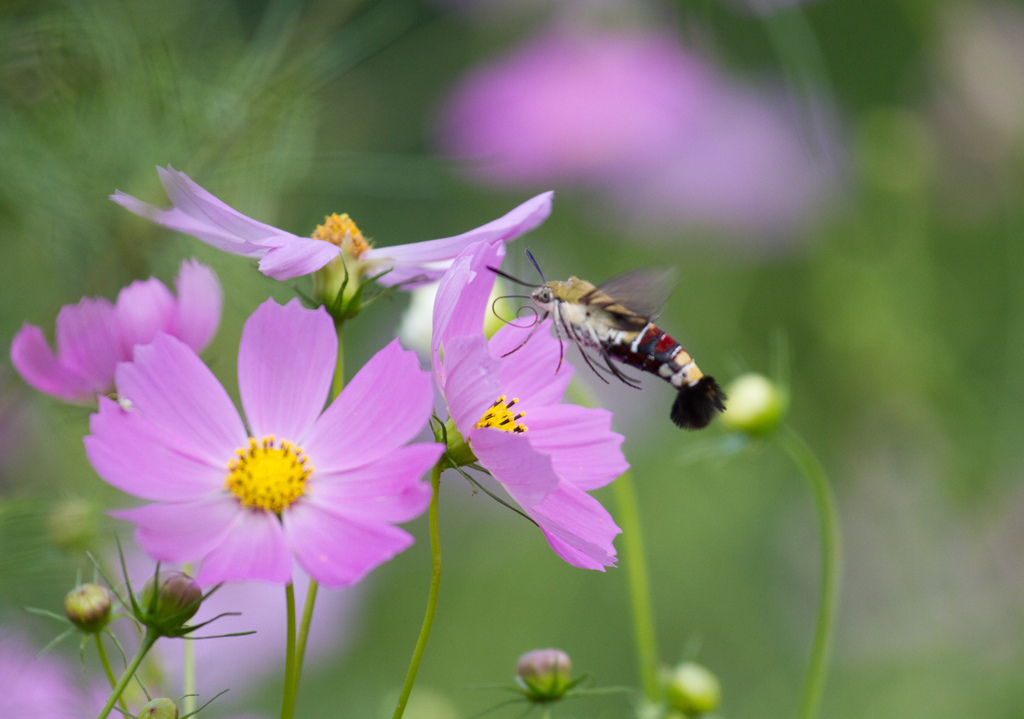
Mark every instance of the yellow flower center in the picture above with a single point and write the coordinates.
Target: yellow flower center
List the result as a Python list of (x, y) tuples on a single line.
[(499, 416), (268, 474), (340, 230)]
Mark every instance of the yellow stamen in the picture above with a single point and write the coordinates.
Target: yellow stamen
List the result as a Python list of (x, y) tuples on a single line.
[(499, 416), (269, 475), (339, 228)]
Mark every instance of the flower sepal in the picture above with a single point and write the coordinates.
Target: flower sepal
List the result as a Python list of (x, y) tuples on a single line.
[(458, 453), (342, 291)]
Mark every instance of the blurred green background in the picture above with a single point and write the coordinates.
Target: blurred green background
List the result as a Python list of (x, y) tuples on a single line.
[(897, 315)]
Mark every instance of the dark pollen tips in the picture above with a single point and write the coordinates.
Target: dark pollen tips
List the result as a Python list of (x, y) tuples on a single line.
[(696, 405)]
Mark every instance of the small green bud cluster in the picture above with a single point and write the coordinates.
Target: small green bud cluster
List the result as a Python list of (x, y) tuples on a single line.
[(693, 690), (161, 708), (87, 606), (756, 405), (544, 674), (168, 600)]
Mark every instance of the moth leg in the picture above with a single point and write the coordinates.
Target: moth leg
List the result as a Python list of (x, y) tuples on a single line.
[(618, 373)]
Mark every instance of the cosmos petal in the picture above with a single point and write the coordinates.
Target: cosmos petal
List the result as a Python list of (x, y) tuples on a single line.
[(527, 475), (40, 368), (172, 388), (182, 531), (143, 308), (385, 405), (537, 369), (285, 367), (297, 256), (254, 548), (577, 527), (89, 341), (200, 300), (580, 442), (339, 551)]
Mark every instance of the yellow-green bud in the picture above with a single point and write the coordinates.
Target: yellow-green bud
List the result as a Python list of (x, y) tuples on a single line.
[(177, 599), (161, 708), (693, 690), (88, 607), (545, 673), (756, 406)]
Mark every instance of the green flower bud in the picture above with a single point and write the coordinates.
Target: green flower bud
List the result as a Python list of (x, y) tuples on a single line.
[(544, 673), (458, 448), (693, 690), (177, 600), (161, 708), (88, 607), (756, 406)]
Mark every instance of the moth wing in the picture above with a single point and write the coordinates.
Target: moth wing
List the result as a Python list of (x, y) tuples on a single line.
[(642, 291)]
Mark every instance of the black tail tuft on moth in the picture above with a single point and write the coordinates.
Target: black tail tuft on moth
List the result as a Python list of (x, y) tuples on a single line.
[(696, 404)]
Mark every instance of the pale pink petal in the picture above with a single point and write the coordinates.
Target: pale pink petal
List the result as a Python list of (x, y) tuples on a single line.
[(174, 219), (40, 368), (461, 302), (254, 549), (89, 341), (200, 300), (171, 387), (134, 456), (385, 405), (285, 365), (583, 449), (183, 531), (143, 308), (296, 256), (197, 202), (532, 371), (577, 527), (470, 376), (525, 473), (339, 551), (416, 256), (388, 489)]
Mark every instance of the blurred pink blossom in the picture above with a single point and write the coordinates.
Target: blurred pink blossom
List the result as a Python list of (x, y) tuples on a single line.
[(39, 688), (652, 128)]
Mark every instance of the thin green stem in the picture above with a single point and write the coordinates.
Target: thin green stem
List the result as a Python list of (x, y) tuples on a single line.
[(188, 702), (435, 585), (101, 650), (307, 619), (148, 640), (828, 520), (339, 369), (639, 586), (636, 568), (290, 684)]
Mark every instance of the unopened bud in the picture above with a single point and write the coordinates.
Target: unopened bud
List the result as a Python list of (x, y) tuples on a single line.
[(72, 524), (755, 406), (177, 599), (88, 607), (545, 673), (693, 690), (161, 708)]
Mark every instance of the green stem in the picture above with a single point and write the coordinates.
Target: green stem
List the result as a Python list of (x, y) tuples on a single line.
[(639, 587), (435, 585), (828, 519), (339, 369), (148, 640), (101, 650), (636, 567), (290, 684), (188, 703), (307, 619)]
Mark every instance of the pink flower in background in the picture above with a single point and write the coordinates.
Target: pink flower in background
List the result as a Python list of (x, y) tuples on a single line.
[(644, 123), (283, 255), (324, 486), (547, 455), (94, 335), (40, 688)]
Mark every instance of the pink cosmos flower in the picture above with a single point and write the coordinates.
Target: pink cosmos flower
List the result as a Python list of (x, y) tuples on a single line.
[(94, 335), (283, 255), (41, 687), (547, 455), (325, 487), (652, 128)]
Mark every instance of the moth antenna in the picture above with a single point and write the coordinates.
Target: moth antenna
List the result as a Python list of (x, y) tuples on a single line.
[(536, 266), (509, 277)]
